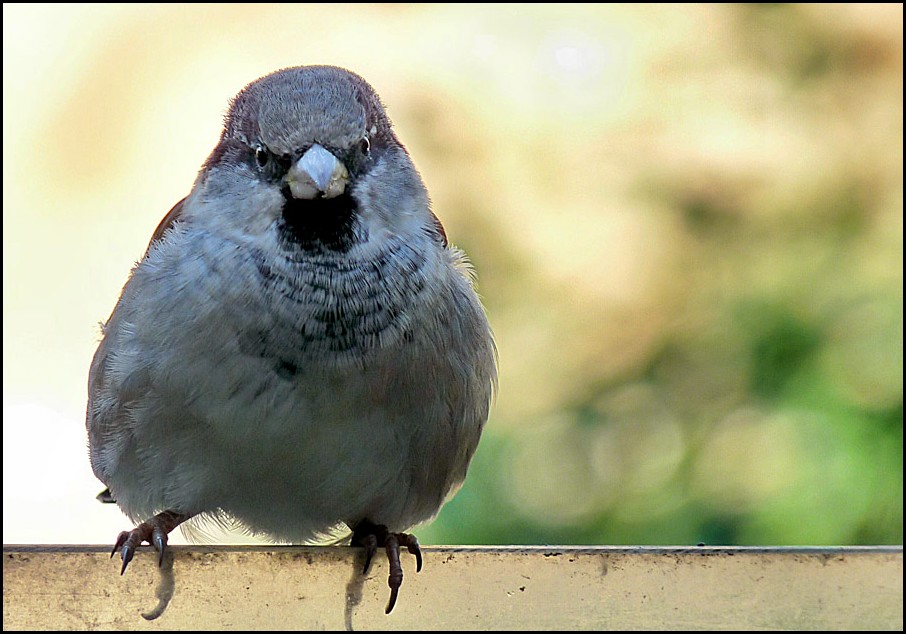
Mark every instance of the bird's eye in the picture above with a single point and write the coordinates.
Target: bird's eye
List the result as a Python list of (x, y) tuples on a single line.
[(366, 145), (262, 156)]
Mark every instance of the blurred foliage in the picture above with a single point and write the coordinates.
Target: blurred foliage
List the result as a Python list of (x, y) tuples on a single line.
[(689, 238)]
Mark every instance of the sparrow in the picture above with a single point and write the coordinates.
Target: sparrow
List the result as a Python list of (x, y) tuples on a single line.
[(300, 350)]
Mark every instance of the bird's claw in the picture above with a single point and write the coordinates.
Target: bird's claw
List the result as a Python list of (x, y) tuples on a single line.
[(159, 541), (368, 536), (154, 531), (414, 549), (129, 541), (369, 542)]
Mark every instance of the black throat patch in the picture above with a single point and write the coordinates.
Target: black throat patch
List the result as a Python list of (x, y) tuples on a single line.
[(322, 224)]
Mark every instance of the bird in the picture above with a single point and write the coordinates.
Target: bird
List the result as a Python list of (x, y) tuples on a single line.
[(300, 350)]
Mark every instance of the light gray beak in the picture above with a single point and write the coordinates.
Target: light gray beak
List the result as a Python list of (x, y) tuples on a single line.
[(317, 173)]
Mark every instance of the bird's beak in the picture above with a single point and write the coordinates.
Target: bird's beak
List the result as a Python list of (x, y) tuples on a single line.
[(317, 173)]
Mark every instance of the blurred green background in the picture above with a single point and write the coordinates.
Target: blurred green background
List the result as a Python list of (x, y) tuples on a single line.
[(687, 223)]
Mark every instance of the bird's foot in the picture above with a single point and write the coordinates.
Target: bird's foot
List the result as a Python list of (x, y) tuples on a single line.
[(370, 536), (154, 531)]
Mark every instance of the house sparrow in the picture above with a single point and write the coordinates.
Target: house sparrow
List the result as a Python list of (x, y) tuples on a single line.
[(299, 350)]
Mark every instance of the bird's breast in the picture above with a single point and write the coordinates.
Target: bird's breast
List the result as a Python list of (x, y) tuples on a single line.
[(338, 312)]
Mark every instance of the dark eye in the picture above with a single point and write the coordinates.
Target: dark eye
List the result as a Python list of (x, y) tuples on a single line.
[(262, 156), (366, 145)]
